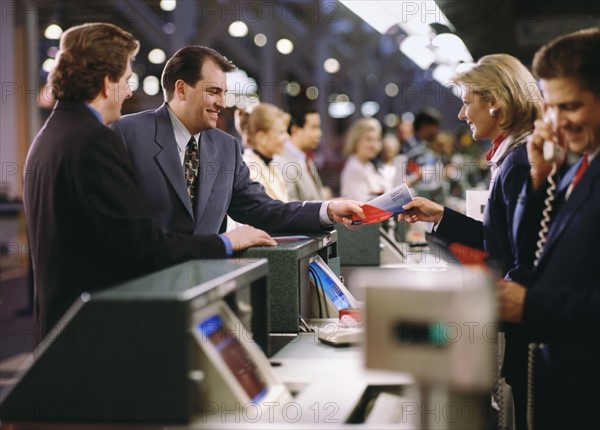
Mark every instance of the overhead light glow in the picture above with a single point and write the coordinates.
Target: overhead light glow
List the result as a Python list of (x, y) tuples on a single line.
[(239, 83), (339, 98), (331, 65), (169, 28), (293, 88), (450, 49), (412, 17), (443, 73), (417, 49), (134, 82), (463, 67), (51, 52), (242, 103), (391, 120), (373, 13), (260, 40), (157, 56), (151, 85), (340, 110), (168, 5), (285, 46), (312, 93), (408, 117), (369, 109), (48, 65), (238, 29), (53, 32), (391, 90)]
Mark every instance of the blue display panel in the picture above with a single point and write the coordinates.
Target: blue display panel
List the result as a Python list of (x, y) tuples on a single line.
[(234, 355), (333, 292)]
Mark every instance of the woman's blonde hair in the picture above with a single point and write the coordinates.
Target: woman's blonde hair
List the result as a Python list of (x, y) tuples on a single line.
[(504, 79), (356, 132), (261, 118)]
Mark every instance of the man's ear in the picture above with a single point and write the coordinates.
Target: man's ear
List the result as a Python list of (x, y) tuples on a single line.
[(105, 86), (180, 89)]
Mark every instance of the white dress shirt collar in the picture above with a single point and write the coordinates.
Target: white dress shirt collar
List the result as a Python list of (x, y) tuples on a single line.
[(182, 135)]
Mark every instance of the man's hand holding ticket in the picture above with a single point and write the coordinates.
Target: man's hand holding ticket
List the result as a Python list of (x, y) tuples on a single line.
[(385, 206)]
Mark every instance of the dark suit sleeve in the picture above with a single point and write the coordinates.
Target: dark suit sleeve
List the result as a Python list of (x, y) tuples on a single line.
[(456, 227), (110, 200)]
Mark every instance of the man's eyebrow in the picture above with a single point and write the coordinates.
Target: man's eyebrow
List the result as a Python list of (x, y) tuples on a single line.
[(214, 89), (213, 85)]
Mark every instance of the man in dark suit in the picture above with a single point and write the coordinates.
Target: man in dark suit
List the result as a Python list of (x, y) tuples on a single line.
[(88, 228), (194, 85), (559, 311)]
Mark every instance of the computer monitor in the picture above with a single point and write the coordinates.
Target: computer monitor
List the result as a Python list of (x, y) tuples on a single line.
[(236, 372), (328, 294), (133, 353)]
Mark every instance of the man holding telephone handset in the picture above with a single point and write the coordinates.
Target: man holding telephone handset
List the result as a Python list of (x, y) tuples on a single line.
[(559, 311)]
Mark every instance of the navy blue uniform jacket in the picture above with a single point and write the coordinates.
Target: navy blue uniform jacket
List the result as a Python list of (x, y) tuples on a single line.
[(562, 304)]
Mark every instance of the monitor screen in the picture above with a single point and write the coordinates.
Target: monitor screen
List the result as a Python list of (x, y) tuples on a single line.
[(329, 285), (234, 355)]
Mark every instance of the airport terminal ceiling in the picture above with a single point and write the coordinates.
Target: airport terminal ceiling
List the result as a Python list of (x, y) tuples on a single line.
[(366, 61)]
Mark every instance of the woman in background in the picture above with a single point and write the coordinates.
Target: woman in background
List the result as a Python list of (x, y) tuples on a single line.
[(360, 180), (265, 129)]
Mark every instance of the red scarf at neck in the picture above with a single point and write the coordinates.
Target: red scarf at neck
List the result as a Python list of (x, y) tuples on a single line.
[(495, 145)]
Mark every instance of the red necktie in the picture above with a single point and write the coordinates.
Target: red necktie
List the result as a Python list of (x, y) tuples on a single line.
[(580, 171), (495, 145)]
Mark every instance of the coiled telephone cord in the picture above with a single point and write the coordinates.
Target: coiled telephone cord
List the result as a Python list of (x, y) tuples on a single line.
[(546, 216)]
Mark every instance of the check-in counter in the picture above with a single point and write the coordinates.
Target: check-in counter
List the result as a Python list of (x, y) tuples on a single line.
[(371, 245), (330, 388), (126, 354), (173, 373), (289, 280), (359, 247)]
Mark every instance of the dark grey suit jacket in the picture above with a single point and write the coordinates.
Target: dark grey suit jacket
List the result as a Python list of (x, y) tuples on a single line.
[(225, 186)]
